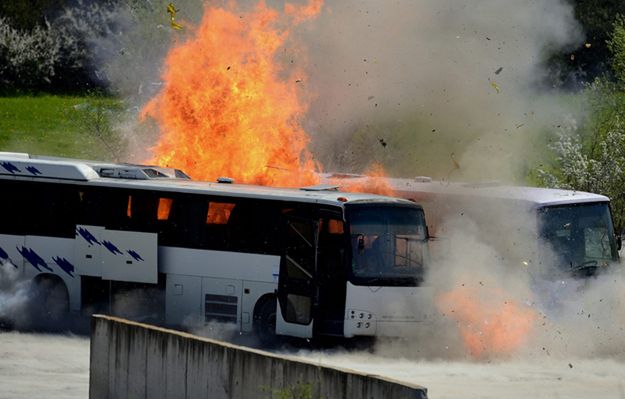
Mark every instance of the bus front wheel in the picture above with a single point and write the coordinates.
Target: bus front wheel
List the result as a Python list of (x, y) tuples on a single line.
[(265, 323)]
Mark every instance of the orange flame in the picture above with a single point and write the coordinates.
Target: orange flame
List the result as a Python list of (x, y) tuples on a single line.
[(490, 324), (227, 108)]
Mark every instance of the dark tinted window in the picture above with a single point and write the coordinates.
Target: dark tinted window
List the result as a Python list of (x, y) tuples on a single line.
[(43, 209), (12, 209)]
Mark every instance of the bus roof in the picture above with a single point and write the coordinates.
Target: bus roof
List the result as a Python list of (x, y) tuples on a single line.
[(20, 166), (420, 187), (539, 197)]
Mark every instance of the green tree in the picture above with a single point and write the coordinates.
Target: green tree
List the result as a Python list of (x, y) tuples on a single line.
[(591, 156), (616, 45), (592, 58), (27, 14)]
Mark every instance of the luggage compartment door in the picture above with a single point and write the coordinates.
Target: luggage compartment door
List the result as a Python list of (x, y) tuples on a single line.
[(129, 256)]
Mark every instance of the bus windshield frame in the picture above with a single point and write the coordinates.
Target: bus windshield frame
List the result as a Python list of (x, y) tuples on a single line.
[(388, 244), (581, 236)]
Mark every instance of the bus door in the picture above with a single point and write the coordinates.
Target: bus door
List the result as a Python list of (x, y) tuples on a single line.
[(297, 290)]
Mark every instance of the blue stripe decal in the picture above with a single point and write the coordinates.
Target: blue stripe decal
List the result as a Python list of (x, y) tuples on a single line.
[(34, 171), (4, 258), (10, 167), (32, 258), (86, 234), (112, 248), (65, 265), (135, 255)]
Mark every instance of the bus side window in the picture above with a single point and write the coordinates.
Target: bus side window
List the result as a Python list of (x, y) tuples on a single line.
[(186, 222), (331, 248), (54, 209), (116, 209), (163, 209), (12, 208), (254, 227), (216, 227), (142, 211)]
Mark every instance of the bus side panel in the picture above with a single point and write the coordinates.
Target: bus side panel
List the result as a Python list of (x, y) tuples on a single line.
[(183, 300), (130, 256), (251, 275), (219, 264), (53, 256), (88, 250), (9, 250)]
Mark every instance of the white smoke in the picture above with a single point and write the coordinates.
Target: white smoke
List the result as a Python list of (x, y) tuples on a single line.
[(15, 293), (421, 85)]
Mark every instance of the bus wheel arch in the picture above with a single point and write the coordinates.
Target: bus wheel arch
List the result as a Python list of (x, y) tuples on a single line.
[(265, 320), (49, 302)]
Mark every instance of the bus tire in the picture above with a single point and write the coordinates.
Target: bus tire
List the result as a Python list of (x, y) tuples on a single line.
[(50, 304), (265, 323)]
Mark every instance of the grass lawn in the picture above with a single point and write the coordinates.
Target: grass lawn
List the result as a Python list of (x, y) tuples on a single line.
[(70, 126)]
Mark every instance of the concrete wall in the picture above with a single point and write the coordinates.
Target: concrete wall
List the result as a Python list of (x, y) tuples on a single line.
[(133, 360)]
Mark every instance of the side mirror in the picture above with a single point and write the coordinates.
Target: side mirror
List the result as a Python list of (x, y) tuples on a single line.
[(619, 242)]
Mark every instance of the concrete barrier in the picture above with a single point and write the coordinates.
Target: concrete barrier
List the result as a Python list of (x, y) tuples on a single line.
[(134, 360)]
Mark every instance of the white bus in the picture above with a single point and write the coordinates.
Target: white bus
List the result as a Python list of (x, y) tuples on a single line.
[(553, 232), (146, 241)]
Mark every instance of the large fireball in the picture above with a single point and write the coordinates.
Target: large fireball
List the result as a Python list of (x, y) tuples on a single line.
[(227, 108)]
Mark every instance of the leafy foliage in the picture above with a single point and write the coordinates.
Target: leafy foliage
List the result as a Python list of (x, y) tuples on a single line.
[(592, 157), (27, 58), (56, 54), (616, 45)]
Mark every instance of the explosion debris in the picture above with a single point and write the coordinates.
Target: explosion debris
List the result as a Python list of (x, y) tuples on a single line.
[(171, 10), (495, 86)]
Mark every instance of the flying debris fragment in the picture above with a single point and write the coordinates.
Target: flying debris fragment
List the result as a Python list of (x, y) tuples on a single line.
[(171, 10), (453, 159), (588, 45), (495, 86), (498, 71)]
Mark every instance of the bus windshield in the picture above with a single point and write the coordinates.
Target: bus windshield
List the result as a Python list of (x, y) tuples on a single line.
[(388, 245), (581, 235)]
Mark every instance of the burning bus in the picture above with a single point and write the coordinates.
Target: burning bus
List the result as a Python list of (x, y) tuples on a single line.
[(148, 243), (551, 232)]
